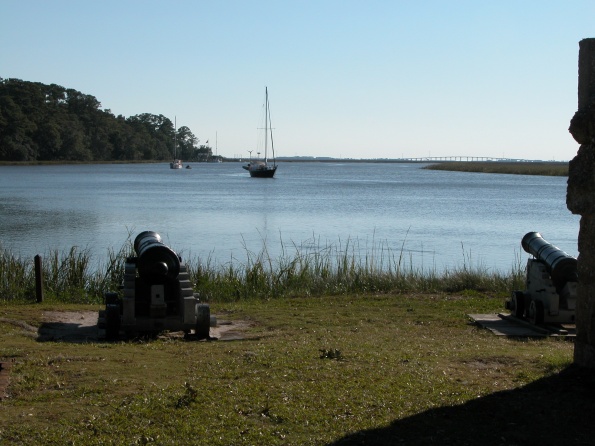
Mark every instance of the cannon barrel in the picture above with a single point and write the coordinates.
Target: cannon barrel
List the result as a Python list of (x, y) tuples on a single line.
[(561, 266), (154, 259)]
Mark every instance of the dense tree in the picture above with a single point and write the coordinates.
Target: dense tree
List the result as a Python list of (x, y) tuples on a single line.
[(204, 153), (186, 142), (41, 122)]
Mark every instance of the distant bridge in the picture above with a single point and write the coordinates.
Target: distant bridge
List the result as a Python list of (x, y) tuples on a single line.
[(423, 159), (469, 158)]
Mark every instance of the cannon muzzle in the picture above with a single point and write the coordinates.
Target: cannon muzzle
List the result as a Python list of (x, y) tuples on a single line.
[(562, 267), (154, 259)]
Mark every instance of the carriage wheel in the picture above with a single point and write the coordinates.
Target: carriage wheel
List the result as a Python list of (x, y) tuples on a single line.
[(518, 304), (536, 312)]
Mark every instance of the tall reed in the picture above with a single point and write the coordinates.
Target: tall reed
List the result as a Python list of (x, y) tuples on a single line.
[(313, 269), (68, 276), (342, 268), (17, 276)]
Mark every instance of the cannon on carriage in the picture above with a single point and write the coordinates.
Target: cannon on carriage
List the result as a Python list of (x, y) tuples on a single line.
[(156, 295), (551, 282)]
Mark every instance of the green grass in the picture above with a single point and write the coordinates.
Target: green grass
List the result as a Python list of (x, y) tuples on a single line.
[(310, 371), (518, 168)]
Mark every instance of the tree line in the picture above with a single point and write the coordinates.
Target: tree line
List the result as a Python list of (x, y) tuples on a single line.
[(41, 122)]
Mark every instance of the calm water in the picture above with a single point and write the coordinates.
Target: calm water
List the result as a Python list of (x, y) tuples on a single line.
[(437, 219)]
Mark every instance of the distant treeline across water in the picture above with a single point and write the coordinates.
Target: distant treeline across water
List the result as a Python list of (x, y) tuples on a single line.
[(42, 122)]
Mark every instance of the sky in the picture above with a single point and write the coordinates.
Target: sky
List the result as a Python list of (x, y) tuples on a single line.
[(346, 79)]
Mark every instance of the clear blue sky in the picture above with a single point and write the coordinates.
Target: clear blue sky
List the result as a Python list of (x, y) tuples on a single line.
[(353, 79)]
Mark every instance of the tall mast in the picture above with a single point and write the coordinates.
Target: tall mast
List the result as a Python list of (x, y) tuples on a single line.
[(271, 130), (266, 121)]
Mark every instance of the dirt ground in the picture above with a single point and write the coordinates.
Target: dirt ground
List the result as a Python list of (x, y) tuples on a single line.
[(81, 326)]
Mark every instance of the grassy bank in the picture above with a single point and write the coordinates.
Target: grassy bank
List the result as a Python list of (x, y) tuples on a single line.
[(339, 349), (70, 277), (524, 168), (352, 369)]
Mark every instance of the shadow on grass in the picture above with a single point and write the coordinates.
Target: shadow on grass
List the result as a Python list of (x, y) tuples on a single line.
[(67, 332), (558, 410), (82, 326)]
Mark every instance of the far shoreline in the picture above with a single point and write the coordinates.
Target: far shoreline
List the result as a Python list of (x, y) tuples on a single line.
[(544, 168)]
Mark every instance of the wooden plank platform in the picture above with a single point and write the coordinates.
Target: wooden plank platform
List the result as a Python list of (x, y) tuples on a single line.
[(507, 325)]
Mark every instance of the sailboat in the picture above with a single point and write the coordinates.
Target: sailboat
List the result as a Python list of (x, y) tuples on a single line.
[(262, 169), (176, 163)]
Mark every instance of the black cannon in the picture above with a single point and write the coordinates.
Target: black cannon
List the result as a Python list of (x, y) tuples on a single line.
[(560, 266), (156, 295), (155, 261), (551, 281)]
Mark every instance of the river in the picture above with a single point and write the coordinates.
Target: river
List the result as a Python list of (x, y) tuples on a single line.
[(433, 220)]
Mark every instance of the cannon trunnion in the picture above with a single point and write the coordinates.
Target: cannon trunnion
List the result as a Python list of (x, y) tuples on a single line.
[(156, 295), (551, 281)]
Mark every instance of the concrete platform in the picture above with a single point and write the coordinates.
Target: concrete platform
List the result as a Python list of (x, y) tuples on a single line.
[(508, 325), (82, 326)]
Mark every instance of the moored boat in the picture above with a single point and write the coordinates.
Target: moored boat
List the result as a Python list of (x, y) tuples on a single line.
[(262, 168), (176, 163)]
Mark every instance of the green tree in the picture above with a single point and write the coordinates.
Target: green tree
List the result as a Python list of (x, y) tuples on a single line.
[(16, 130), (50, 122), (186, 143), (204, 153)]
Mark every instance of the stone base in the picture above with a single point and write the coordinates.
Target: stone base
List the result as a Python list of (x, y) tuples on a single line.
[(584, 355)]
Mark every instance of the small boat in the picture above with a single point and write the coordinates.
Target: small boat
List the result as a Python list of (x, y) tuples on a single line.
[(188, 166), (262, 169), (176, 163)]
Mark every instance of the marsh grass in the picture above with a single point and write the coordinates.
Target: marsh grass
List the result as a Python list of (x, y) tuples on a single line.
[(336, 269), (518, 168), (17, 277), (319, 270), (68, 276)]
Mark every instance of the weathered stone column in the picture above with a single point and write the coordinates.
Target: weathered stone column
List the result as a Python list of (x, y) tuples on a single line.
[(580, 199)]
